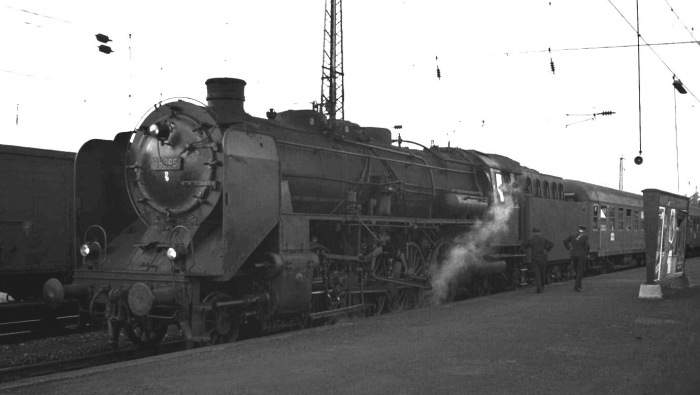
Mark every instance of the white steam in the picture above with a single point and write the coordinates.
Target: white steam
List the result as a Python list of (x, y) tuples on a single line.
[(465, 255)]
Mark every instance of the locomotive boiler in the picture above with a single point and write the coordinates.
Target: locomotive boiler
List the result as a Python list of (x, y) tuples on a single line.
[(214, 220)]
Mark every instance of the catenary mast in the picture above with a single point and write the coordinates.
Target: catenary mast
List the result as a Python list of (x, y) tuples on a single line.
[(332, 88)]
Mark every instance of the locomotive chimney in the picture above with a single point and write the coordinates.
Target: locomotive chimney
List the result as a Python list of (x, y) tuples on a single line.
[(225, 96)]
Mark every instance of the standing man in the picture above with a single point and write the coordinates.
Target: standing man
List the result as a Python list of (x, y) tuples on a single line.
[(579, 246), (539, 247)]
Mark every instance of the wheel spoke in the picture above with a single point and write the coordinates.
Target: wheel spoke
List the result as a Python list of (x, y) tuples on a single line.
[(415, 262), (218, 322), (145, 332)]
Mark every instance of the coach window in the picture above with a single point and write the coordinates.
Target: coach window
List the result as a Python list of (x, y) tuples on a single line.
[(561, 192), (636, 219), (596, 213), (611, 216), (621, 218), (538, 189), (545, 187), (603, 218), (528, 186), (628, 219)]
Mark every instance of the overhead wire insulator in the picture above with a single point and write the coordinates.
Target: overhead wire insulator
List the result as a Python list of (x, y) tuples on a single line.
[(105, 49), (102, 38), (606, 113), (551, 65), (438, 72)]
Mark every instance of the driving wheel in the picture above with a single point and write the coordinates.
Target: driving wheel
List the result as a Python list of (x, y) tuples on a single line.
[(145, 332), (219, 323)]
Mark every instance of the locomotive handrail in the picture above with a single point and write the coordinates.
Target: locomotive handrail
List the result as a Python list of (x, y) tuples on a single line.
[(435, 154), (407, 222), (406, 184), (447, 169)]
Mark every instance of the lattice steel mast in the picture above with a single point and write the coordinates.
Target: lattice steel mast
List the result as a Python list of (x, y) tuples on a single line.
[(622, 171), (332, 88)]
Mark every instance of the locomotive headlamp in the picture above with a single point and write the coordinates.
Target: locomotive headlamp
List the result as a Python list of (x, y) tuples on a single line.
[(161, 130), (177, 251), (90, 250)]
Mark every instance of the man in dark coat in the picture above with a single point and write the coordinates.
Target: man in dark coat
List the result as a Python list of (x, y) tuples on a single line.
[(579, 246), (539, 247)]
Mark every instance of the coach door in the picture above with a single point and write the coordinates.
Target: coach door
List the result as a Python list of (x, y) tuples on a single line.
[(607, 227)]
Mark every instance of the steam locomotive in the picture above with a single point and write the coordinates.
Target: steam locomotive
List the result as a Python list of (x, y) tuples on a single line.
[(236, 221), (213, 220)]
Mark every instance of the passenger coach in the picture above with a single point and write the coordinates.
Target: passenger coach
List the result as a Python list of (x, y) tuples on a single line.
[(615, 222)]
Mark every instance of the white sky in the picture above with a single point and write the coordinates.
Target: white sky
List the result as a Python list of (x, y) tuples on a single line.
[(68, 92)]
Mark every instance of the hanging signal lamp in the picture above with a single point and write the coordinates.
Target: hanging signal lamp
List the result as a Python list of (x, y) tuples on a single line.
[(679, 86)]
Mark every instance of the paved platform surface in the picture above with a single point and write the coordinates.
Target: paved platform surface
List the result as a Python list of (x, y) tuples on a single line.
[(602, 341)]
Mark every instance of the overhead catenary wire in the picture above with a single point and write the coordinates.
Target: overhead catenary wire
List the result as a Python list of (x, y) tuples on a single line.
[(600, 47), (647, 44), (681, 21), (37, 14)]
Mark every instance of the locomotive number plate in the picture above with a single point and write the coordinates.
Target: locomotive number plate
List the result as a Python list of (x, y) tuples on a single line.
[(166, 163)]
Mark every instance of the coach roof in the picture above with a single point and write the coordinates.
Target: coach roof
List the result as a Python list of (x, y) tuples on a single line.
[(584, 192)]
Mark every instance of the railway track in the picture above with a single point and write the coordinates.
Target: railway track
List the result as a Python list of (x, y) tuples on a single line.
[(32, 329), (82, 362), (29, 320)]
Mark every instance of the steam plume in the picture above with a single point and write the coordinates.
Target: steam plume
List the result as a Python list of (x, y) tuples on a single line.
[(465, 258)]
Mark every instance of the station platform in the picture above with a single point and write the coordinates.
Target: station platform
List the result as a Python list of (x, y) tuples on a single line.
[(602, 340)]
